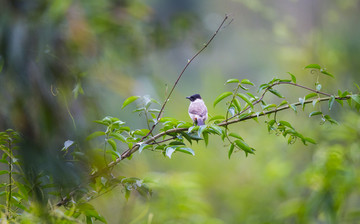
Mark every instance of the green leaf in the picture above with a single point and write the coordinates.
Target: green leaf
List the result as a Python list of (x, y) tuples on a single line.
[(315, 66), (266, 107), (235, 136), (206, 138), (232, 81), (247, 82), (331, 102), (221, 97), (231, 150), (356, 98), (245, 147), (78, 89), (287, 124), (312, 141), (186, 150), (144, 146), (293, 78), (323, 71), (237, 104), (332, 121), (169, 151), (217, 129), (314, 102), (357, 86), (314, 113), (201, 129), (292, 106), (310, 95), (283, 103), (118, 136), (246, 99), (94, 135), (129, 100), (3, 172), (217, 117), (112, 143), (276, 93)]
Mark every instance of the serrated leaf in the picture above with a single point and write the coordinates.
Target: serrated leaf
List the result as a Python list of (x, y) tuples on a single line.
[(231, 150), (315, 66), (276, 93), (129, 100), (314, 113), (232, 81), (186, 150), (293, 78), (246, 99), (310, 95), (221, 97), (112, 143), (331, 102), (94, 135), (247, 82), (169, 151)]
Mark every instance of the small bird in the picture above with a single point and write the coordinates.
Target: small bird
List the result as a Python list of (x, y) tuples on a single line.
[(197, 109)]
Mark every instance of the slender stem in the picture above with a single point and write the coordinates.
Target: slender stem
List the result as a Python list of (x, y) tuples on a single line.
[(182, 72)]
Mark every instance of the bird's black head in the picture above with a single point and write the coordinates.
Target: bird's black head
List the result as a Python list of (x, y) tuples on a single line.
[(194, 97)]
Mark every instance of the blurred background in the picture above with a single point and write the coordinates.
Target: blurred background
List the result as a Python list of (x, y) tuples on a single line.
[(67, 63)]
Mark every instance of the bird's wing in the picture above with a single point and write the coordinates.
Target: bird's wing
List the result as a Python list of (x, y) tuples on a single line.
[(198, 108)]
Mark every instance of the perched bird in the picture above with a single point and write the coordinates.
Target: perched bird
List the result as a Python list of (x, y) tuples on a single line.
[(197, 109)]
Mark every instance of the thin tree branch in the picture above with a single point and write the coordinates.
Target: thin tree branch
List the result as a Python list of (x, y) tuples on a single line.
[(182, 72), (270, 87)]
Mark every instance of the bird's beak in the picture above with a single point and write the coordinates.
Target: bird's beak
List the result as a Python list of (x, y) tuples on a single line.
[(188, 97)]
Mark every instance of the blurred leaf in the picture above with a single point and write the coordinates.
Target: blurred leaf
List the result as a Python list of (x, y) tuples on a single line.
[(144, 146), (201, 129), (356, 98), (221, 97), (332, 121), (78, 89), (3, 172), (282, 103), (232, 81), (318, 87), (94, 135), (316, 66), (217, 129), (285, 123), (206, 138), (237, 104), (129, 100)]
